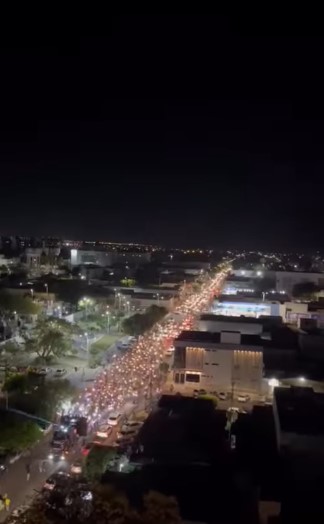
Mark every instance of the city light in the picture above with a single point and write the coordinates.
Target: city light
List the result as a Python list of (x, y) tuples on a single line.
[(134, 376)]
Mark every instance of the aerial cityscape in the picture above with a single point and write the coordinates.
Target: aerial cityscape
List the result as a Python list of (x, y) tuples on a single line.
[(162, 274)]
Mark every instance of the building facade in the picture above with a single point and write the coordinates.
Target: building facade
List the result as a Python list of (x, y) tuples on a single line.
[(223, 361)]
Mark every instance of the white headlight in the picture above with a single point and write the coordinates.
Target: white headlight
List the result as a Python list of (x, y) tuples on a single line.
[(50, 456)]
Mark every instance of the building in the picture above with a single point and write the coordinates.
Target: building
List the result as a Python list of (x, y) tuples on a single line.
[(299, 419), (238, 306), (286, 280), (235, 306), (243, 325), (107, 258), (234, 285), (218, 361), (145, 300), (299, 422)]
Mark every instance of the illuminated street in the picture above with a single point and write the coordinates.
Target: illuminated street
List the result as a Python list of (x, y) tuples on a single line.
[(134, 376)]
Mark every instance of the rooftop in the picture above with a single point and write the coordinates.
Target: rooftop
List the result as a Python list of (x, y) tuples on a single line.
[(229, 319), (300, 410), (215, 338)]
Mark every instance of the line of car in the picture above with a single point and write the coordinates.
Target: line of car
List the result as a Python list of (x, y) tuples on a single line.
[(220, 395)]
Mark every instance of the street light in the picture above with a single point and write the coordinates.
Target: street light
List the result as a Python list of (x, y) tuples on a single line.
[(107, 314), (87, 340), (46, 287), (32, 293)]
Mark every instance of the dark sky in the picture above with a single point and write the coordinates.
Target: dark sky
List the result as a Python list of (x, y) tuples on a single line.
[(202, 130)]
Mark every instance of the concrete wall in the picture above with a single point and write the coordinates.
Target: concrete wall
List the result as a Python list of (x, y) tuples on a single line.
[(219, 366)]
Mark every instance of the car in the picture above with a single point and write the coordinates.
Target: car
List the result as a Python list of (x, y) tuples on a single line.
[(104, 431), (59, 372), (222, 396), (85, 450), (233, 409), (132, 424), (243, 398), (76, 468), (58, 451), (128, 432), (202, 392), (60, 436), (114, 419), (123, 439), (43, 371), (58, 479)]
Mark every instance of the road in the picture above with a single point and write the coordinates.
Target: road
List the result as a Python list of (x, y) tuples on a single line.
[(132, 378)]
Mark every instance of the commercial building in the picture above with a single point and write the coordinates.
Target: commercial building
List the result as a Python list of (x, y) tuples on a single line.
[(243, 325), (286, 280), (235, 306), (218, 361), (107, 258), (145, 300)]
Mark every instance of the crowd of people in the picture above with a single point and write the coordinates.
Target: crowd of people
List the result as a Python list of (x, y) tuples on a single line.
[(135, 375)]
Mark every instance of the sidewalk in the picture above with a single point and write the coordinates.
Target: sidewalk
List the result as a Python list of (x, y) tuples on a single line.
[(14, 482)]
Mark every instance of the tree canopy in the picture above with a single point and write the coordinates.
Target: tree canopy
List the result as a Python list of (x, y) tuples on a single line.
[(17, 435), (140, 322), (108, 506), (50, 338), (22, 305), (45, 399)]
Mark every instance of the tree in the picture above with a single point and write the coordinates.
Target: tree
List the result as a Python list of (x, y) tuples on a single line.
[(305, 290), (139, 323), (22, 305), (17, 435), (164, 368), (16, 382), (160, 509), (51, 338), (10, 348), (108, 506), (46, 400), (4, 270), (98, 460)]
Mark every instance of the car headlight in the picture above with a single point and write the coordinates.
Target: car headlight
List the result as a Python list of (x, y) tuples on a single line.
[(51, 456), (62, 457)]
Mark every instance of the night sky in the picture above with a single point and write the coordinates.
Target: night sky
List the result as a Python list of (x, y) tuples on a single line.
[(184, 131)]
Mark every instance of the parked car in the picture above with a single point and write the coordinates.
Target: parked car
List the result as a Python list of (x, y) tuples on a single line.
[(114, 419), (132, 424), (222, 396), (243, 398), (128, 432), (104, 431), (43, 371), (60, 372)]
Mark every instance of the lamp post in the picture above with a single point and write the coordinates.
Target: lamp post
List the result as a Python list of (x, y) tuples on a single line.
[(87, 341), (32, 293), (107, 314), (46, 287)]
